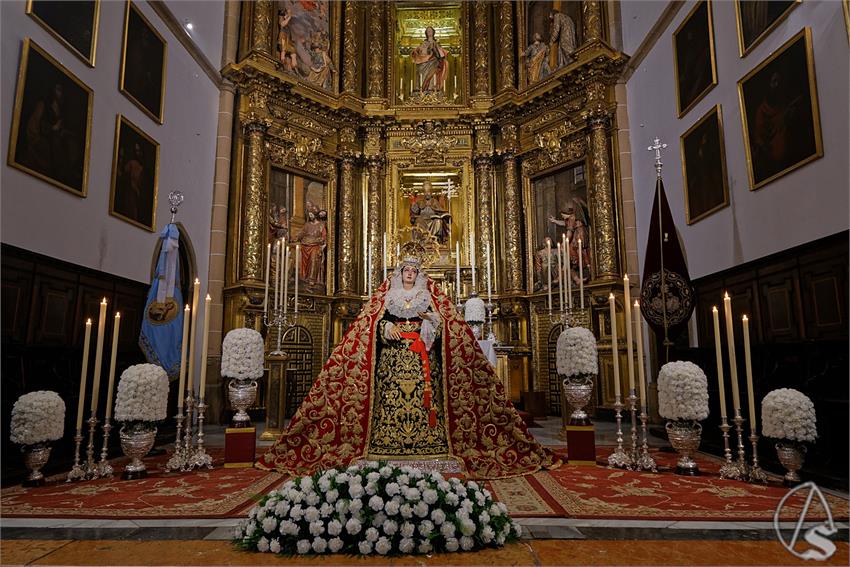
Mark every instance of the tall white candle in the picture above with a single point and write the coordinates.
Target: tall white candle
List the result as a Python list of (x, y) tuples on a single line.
[(627, 300), (563, 276), (549, 270), (385, 255), (296, 269), (181, 392), (615, 355), (286, 279), (281, 278), (561, 279), (84, 375), (489, 283), (719, 356), (268, 267), (639, 338), (569, 273), (472, 257), (733, 365), (748, 364), (205, 347), (580, 277), (112, 359), (193, 335), (457, 271), (397, 253), (98, 356)]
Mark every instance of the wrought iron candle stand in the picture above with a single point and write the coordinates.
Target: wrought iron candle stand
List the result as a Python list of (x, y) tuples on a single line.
[(619, 458), (756, 472), (104, 469), (730, 469), (77, 472), (644, 461)]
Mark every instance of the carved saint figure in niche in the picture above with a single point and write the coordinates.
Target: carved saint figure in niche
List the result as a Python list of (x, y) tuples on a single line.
[(431, 63), (562, 37), (537, 59), (322, 68), (427, 214), (278, 223), (313, 237), (286, 48), (574, 219)]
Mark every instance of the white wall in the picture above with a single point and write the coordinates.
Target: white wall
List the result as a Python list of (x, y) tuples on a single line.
[(638, 17), (807, 204), (207, 19)]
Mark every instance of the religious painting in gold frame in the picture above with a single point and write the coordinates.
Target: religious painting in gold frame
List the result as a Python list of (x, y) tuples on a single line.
[(144, 58), (51, 122), (135, 175), (299, 211), (757, 18), (779, 110), (704, 167), (74, 24), (428, 40), (693, 57), (539, 57), (558, 207), (307, 41)]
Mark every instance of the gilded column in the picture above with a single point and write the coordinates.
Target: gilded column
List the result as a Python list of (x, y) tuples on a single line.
[(602, 197), (346, 268), (483, 174), (261, 35), (482, 49), (513, 211), (375, 168), (349, 49), (592, 18), (377, 38), (506, 44), (253, 203)]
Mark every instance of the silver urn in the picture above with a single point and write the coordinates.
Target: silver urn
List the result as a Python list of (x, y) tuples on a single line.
[(35, 457), (685, 437), (791, 455), (136, 441), (242, 393), (577, 392)]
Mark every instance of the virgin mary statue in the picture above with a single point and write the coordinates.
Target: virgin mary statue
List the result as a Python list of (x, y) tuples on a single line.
[(408, 382)]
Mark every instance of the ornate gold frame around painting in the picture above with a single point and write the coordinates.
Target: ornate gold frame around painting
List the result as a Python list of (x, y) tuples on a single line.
[(120, 119), (744, 50), (16, 119), (713, 57), (815, 109), (718, 111), (95, 22), (159, 118)]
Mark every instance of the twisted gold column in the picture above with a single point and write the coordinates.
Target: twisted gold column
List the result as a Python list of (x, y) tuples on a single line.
[(261, 35), (506, 44), (592, 18), (377, 37), (349, 49), (375, 167), (513, 212), (482, 49), (346, 227), (253, 204)]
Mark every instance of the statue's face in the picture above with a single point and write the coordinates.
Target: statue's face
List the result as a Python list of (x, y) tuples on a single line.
[(408, 274)]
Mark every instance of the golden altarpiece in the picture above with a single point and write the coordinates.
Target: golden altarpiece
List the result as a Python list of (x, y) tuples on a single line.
[(358, 121)]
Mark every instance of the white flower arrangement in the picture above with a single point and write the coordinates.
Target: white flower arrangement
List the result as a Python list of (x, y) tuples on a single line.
[(37, 417), (142, 394), (788, 414), (242, 353), (474, 311), (576, 353), (682, 391), (376, 508)]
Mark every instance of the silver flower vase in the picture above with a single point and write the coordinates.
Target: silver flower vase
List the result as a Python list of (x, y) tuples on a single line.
[(685, 436), (242, 394), (35, 457), (791, 455), (136, 441), (577, 391)]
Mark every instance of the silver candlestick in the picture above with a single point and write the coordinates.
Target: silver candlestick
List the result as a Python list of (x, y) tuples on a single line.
[(619, 458), (645, 462), (199, 457), (756, 472), (91, 466), (742, 460), (491, 336), (178, 460), (187, 434), (104, 469), (729, 470), (635, 452), (77, 472)]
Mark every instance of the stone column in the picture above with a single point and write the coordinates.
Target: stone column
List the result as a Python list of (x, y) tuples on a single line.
[(253, 203), (350, 83), (513, 212), (481, 72), (506, 45), (377, 39), (261, 28), (347, 253), (591, 12), (601, 194)]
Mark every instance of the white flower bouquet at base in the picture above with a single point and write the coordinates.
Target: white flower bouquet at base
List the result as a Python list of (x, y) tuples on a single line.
[(474, 311), (242, 354), (682, 392), (576, 353), (376, 508), (142, 395), (37, 417), (790, 415)]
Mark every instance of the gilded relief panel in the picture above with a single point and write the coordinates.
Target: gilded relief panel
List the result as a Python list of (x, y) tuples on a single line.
[(548, 39), (306, 42)]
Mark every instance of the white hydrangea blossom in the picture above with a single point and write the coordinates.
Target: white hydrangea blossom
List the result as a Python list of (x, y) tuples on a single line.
[(37, 417), (142, 394), (242, 354), (682, 391), (788, 414), (576, 353)]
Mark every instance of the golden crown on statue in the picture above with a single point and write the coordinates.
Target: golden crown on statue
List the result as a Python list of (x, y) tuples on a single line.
[(421, 250)]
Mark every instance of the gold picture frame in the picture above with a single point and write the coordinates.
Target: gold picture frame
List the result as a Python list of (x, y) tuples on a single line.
[(772, 20), (778, 141), (55, 108), (142, 44), (694, 58), (704, 175), (62, 19), (133, 190), (846, 5)]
